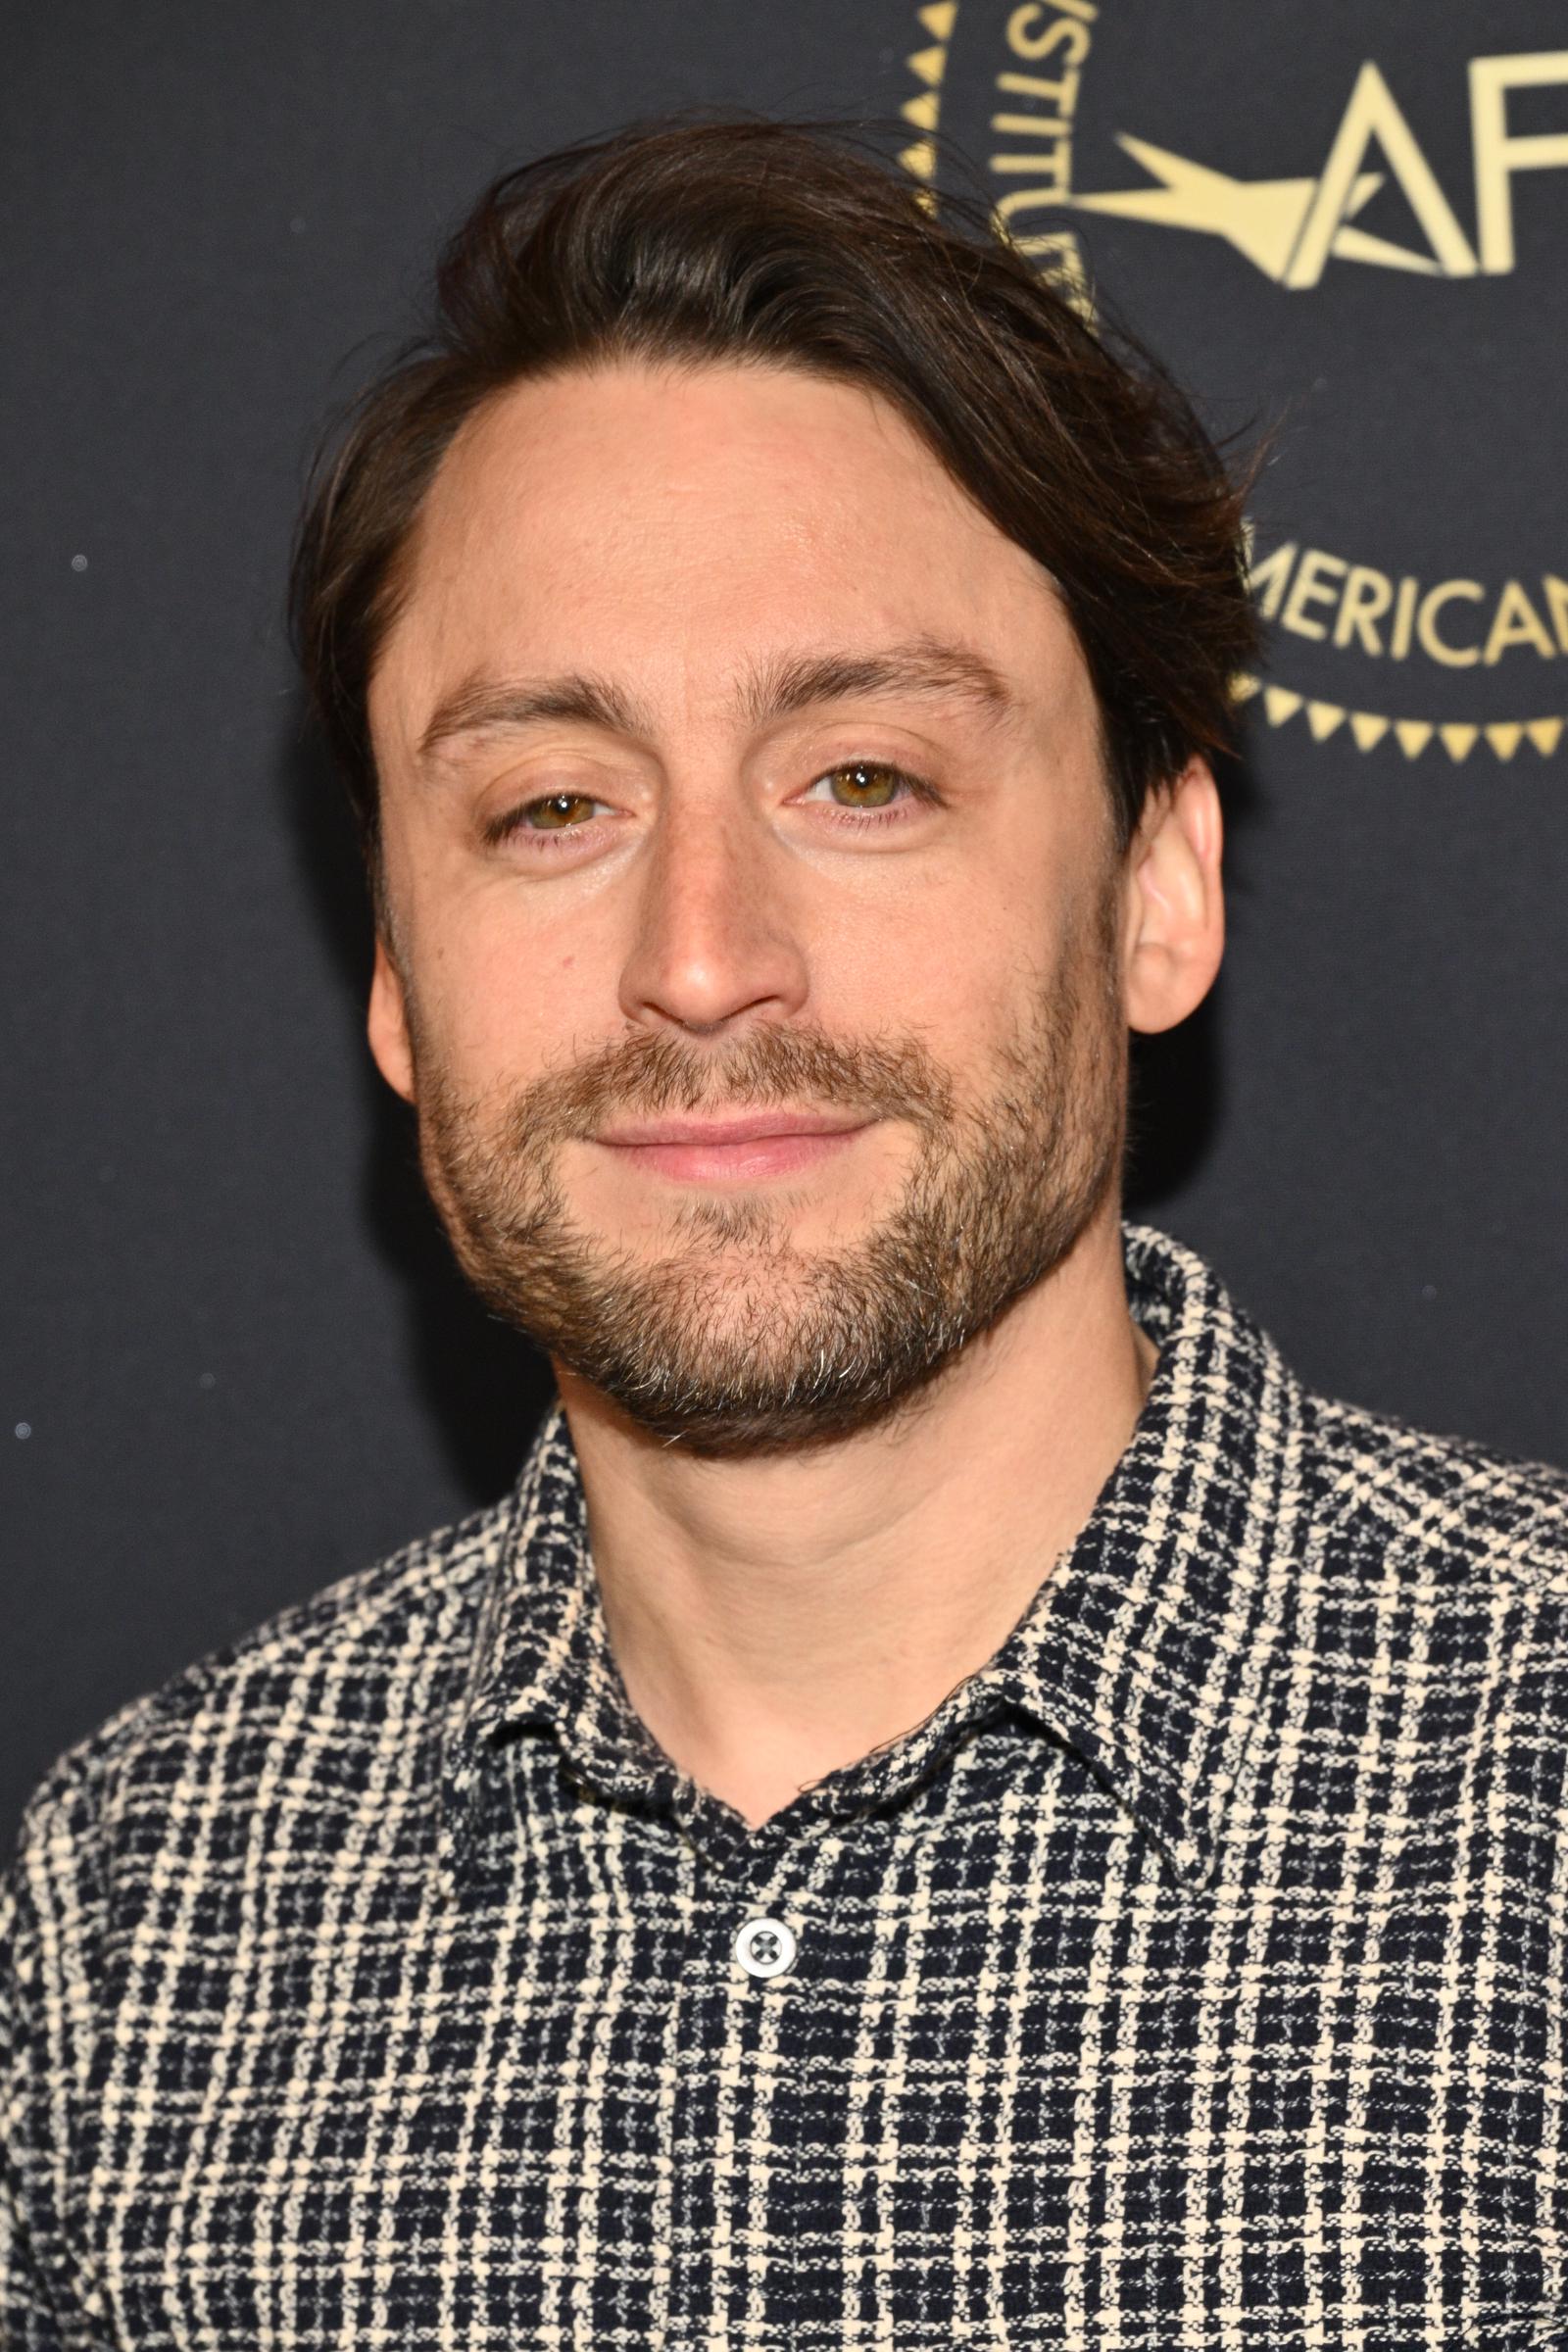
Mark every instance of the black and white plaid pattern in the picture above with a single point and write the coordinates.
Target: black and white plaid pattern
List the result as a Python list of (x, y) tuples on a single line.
[(1193, 1977)]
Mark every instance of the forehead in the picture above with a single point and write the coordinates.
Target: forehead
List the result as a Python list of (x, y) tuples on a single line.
[(678, 524)]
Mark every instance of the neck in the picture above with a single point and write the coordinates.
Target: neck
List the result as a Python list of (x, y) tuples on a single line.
[(775, 1618)]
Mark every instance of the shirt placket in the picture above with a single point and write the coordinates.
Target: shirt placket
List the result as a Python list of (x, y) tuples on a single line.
[(760, 2167)]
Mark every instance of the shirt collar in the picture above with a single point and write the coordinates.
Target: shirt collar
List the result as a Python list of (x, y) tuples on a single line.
[(1150, 1645), (1147, 1648)]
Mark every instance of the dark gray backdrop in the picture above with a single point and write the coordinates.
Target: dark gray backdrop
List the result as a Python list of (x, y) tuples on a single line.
[(236, 1361)]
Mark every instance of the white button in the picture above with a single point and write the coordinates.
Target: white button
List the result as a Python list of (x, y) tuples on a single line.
[(764, 1948)]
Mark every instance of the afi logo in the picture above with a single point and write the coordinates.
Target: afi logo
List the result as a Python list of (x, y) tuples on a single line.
[(1290, 228)]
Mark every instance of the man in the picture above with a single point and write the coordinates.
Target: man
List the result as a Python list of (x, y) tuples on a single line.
[(956, 1803)]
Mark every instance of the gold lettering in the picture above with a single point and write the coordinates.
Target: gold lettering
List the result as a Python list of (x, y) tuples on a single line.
[(1447, 592), (1031, 85), (1516, 623), (1073, 40), (1311, 586), (1557, 605), (1373, 113), (1267, 579), (1024, 200), (1379, 616), (1059, 166), (1026, 39), (1061, 262), (1368, 594), (1499, 154)]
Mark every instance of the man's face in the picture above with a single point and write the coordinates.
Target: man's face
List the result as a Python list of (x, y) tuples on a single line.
[(757, 974)]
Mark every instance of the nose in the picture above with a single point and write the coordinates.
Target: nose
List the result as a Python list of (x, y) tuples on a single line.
[(714, 947)]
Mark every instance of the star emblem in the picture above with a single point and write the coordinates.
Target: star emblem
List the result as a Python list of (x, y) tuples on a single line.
[(1262, 218)]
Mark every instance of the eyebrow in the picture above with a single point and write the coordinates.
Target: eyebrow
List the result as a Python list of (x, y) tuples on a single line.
[(776, 689), (924, 667), (487, 705)]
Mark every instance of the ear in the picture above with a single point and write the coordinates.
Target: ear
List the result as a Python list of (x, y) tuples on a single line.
[(1175, 912), (387, 1025)]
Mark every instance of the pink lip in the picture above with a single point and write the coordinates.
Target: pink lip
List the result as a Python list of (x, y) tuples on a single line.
[(745, 1130), (769, 1142)]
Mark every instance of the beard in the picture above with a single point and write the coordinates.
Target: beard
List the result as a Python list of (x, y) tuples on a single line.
[(735, 1341)]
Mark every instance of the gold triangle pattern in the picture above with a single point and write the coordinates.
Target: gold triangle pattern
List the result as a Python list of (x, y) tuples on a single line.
[(925, 110), (1458, 738)]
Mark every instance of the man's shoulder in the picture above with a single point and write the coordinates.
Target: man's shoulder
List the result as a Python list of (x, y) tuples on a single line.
[(1449, 1511), (1357, 1493), (311, 1690)]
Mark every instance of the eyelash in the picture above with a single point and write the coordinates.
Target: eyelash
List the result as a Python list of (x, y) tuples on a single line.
[(917, 789), (512, 826)]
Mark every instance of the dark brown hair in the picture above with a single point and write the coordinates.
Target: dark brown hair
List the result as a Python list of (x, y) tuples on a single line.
[(748, 240)]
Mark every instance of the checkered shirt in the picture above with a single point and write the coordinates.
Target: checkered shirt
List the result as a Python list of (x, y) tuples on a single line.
[(1192, 1977)]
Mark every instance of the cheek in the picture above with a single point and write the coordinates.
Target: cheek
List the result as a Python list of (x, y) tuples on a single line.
[(499, 1003), (951, 962)]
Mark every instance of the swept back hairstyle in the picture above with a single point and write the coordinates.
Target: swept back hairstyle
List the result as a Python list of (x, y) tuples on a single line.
[(747, 240)]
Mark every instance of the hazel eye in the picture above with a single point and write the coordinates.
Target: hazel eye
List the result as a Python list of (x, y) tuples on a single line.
[(557, 812), (863, 784)]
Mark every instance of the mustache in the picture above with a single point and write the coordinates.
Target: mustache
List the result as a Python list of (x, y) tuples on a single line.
[(661, 1071)]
